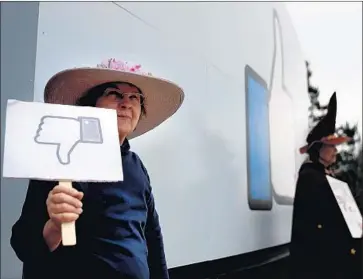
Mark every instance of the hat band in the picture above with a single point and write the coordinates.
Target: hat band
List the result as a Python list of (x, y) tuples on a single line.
[(325, 140)]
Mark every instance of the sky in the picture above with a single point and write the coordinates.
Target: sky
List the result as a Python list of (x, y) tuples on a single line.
[(330, 34)]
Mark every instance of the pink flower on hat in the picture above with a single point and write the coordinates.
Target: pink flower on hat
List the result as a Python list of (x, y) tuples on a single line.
[(120, 65)]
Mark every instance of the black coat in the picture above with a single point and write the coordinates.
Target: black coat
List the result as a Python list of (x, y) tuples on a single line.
[(321, 244)]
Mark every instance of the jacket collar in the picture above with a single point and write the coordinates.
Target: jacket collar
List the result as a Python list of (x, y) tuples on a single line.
[(314, 165), (125, 147)]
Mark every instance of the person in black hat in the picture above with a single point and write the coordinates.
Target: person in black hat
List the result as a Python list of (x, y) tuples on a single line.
[(321, 245)]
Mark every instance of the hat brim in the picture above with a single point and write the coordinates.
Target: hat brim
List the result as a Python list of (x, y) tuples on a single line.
[(331, 141), (162, 97)]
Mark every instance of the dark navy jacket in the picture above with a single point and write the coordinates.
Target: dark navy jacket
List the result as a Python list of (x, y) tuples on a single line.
[(118, 233)]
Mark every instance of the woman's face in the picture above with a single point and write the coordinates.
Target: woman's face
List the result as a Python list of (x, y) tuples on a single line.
[(328, 153), (126, 100)]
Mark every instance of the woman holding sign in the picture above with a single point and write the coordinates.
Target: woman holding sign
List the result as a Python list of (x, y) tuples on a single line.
[(321, 243), (118, 231)]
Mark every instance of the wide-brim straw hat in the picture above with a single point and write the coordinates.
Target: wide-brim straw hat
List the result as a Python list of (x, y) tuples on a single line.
[(162, 97)]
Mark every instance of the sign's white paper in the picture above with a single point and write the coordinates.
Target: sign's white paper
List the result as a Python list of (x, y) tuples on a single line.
[(348, 206), (59, 142)]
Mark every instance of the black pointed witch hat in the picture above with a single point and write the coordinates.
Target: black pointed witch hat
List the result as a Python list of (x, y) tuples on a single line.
[(324, 131)]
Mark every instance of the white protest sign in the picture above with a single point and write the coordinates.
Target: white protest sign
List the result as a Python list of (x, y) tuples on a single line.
[(62, 143), (348, 206), (58, 142)]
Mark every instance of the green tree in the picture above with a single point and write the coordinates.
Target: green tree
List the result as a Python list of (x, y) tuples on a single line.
[(360, 168), (359, 184), (346, 166)]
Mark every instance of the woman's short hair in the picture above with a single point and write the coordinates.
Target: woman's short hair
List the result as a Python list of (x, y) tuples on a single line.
[(89, 99)]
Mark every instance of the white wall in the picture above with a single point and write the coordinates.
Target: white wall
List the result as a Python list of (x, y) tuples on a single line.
[(196, 159)]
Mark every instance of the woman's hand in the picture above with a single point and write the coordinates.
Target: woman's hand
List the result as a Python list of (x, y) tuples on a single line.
[(64, 205)]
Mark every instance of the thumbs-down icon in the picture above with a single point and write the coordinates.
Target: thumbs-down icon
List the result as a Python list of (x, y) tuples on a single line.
[(67, 132)]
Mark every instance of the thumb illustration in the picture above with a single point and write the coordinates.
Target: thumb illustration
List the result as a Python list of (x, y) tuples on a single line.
[(277, 76), (281, 121), (64, 151)]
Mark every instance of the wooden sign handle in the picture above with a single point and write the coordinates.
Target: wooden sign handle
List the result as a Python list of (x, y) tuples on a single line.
[(68, 229)]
